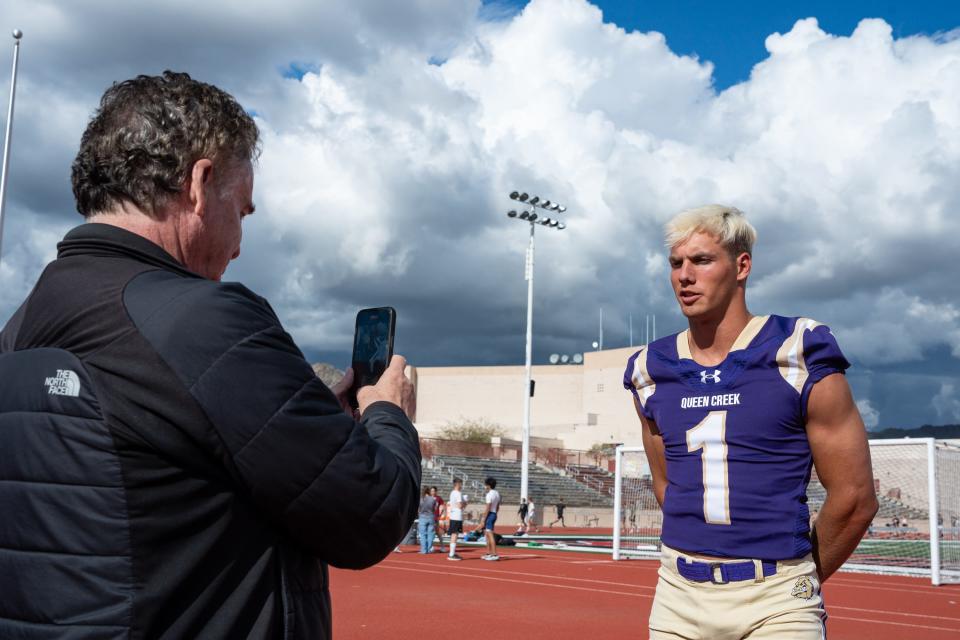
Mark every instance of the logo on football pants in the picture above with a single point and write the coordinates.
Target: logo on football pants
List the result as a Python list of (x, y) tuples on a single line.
[(803, 588)]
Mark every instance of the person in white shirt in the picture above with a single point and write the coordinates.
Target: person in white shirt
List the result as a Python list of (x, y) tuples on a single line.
[(531, 512), (490, 517), (455, 507)]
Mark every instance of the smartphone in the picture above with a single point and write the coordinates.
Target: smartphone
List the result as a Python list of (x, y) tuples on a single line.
[(372, 346)]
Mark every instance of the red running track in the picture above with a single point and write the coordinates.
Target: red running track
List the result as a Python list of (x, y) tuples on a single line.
[(541, 595)]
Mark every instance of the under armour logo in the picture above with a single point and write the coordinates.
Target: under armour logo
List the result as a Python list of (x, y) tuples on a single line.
[(715, 376), (65, 383)]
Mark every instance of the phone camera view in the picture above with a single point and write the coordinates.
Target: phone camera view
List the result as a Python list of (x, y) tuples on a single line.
[(371, 348), (373, 344)]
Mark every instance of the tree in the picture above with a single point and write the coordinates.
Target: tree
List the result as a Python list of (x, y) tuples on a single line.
[(602, 450), (471, 430)]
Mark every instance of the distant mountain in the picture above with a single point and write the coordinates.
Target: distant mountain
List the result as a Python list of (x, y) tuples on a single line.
[(328, 373), (940, 432)]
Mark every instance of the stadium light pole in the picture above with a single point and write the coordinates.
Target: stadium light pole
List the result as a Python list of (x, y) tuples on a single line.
[(533, 219), (17, 34)]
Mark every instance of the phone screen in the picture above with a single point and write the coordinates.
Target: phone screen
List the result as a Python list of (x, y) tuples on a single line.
[(372, 344)]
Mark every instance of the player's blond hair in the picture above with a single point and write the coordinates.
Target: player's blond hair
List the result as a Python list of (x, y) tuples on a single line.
[(727, 224)]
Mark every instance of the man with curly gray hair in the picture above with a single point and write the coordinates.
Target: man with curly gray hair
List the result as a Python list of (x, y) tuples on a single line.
[(178, 469), (151, 137)]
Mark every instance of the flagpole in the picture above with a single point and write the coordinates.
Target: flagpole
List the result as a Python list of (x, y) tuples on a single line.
[(17, 34)]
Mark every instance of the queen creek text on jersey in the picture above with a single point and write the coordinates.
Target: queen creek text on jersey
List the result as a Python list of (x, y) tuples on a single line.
[(738, 460)]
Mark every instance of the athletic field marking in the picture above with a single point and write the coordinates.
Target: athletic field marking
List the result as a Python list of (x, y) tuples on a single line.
[(924, 587), (898, 624), (536, 575), (903, 589), (612, 563), (832, 607), (638, 595), (527, 582)]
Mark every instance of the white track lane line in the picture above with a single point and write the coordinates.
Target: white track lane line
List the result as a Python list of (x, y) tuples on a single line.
[(841, 580), (641, 595), (898, 624), (526, 582), (535, 575), (833, 607)]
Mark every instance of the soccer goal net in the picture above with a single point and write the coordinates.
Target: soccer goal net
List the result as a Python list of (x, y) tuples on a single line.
[(636, 515), (916, 532)]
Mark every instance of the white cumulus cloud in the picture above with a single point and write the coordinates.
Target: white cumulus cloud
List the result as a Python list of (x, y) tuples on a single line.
[(947, 403), (386, 167), (871, 417)]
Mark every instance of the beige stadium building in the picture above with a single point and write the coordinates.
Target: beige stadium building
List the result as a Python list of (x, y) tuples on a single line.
[(574, 406)]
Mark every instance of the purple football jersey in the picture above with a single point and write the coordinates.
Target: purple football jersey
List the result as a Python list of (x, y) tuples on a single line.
[(738, 460)]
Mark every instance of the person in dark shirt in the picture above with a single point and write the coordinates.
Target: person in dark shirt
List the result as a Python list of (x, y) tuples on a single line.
[(426, 521), (522, 513), (439, 513), (560, 508), (181, 471)]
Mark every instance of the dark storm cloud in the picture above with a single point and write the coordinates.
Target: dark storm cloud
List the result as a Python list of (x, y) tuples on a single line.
[(388, 157)]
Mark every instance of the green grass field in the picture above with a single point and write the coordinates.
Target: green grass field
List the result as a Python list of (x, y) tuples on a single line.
[(902, 553)]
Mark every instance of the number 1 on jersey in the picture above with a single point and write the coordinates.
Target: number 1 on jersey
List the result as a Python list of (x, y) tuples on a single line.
[(709, 436)]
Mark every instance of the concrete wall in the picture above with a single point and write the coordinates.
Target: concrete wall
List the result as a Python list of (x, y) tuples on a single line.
[(578, 404), (508, 519)]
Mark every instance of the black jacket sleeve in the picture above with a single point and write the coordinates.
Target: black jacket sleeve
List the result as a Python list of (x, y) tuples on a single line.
[(345, 491)]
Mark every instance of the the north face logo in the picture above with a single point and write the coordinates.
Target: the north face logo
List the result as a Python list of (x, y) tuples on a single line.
[(65, 383), (715, 376)]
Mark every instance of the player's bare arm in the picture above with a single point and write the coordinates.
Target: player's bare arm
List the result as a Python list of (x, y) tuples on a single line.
[(841, 455), (656, 458)]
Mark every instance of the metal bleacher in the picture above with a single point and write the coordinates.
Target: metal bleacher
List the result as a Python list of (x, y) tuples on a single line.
[(889, 507), (585, 486), (545, 487)]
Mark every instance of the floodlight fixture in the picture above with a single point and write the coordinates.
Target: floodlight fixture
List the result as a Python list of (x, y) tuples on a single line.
[(578, 358), (542, 219), (596, 345), (561, 227)]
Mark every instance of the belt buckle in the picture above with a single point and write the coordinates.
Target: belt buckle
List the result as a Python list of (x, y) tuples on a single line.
[(714, 568)]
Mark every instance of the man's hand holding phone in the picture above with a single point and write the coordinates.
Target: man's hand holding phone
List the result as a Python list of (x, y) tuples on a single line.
[(394, 386)]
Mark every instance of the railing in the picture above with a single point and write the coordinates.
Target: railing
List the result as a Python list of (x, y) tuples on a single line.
[(603, 485), (473, 485), (548, 456), (556, 462), (583, 478)]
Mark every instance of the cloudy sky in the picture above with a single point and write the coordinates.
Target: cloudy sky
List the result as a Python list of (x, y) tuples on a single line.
[(393, 132)]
